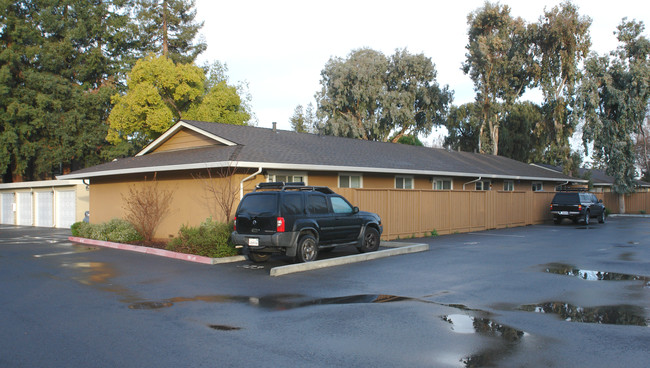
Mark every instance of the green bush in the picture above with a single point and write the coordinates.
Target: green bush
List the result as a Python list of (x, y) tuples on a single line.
[(210, 239), (115, 230)]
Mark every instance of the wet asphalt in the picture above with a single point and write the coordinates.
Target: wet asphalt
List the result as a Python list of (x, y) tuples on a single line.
[(536, 296)]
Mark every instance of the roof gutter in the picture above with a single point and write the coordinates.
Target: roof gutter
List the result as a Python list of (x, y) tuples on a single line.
[(473, 181), (241, 183)]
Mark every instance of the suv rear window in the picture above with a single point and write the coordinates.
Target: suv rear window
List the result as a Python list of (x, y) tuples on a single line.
[(566, 198), (258, 204)]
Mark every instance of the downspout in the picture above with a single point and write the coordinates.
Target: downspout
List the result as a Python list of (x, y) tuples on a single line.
[(241, 184), (473, 181)]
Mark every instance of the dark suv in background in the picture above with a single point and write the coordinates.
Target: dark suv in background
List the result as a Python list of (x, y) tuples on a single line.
[(299, 221), (577, 206)]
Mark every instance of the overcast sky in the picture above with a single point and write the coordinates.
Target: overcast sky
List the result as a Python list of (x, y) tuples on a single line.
[(280, 47)]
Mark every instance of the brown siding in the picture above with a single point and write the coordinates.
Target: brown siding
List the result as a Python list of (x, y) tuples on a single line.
[(184, 139)]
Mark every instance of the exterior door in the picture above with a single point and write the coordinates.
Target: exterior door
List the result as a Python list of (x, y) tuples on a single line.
[(66, 208), (25, 214), (7, 212), (44, 209)]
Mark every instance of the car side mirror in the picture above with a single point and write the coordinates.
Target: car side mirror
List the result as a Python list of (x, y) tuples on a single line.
[(355, 209)]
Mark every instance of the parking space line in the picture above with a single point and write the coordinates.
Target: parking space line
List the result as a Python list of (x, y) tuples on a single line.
[(504, 235)]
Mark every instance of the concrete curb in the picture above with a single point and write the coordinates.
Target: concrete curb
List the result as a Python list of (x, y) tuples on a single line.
[(157, 252), (301, 267)]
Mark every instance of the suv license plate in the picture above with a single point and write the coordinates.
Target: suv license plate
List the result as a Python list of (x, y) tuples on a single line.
[(253, 242), (564, 212)]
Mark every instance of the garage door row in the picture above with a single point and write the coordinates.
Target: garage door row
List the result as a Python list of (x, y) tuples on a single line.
[(31, 204)]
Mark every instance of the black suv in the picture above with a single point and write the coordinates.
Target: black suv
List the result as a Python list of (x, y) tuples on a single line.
[(577, 206), (300, 220)]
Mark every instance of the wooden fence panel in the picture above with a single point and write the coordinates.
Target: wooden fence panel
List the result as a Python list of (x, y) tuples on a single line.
[(407, 213)]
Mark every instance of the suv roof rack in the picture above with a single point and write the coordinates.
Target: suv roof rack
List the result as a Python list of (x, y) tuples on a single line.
[(299, 185), (572, 189)]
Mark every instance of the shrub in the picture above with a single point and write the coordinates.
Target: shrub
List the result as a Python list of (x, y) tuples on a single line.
[(210, 239), (115, 230), (434, 233)]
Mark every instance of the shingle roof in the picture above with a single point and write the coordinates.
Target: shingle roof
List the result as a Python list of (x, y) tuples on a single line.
[(598, 177), (264, 147)]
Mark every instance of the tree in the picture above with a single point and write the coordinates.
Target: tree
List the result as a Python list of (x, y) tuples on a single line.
[(303, 122), (561, 43), (146, 205), (615, 96), (168, 28), (463, 128), (57, 66), (642, 150), (349, 101), (499, 61), (521, 138), (373, 97), (161, 93)]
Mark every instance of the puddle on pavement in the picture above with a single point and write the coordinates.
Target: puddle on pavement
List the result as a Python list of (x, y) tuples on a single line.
[(224, 328), (627, 256), (276, 302), (591, 275), (98, 275), (627, 315), (506, 337)]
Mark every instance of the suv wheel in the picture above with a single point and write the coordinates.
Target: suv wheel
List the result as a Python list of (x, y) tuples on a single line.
[(370, 241), (259, 257), (307, 250), (586, 218), (602, 217)]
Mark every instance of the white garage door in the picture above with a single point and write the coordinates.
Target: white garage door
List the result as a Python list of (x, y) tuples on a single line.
[(66, 208), (44, 209), (7, 212), (25, 216)]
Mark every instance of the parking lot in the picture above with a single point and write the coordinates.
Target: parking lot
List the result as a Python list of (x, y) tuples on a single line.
[(544, 295)]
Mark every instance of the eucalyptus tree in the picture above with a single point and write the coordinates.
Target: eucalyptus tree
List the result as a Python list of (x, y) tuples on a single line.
[(614, 97), (499, 61), (561, 42), (374, 97)]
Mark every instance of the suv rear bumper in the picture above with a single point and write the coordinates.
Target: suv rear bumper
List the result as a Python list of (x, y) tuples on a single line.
[(566, 213), (285, 242)]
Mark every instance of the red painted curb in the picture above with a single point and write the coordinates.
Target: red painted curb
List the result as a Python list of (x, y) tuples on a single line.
[(147, 250)]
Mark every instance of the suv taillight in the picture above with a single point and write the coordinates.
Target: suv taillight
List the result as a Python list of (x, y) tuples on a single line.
[(579, 207), (280, 225), (234, 223)]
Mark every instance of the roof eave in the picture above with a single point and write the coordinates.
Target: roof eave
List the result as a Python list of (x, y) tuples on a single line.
[(308, 167)]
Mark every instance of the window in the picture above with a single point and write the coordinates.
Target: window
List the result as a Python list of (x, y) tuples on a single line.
[(292, 204), (537, 186), (318, 204), (288, 177), (443, 184), (339, 205), (350, 181), (483, 185), (404, 182), (508, 185)]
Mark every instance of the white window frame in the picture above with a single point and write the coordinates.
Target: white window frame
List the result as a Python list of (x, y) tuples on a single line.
[(272, 175), (483, 184), (404, 178), (510, 187), (534, 186), (350, 175), (442, 180)]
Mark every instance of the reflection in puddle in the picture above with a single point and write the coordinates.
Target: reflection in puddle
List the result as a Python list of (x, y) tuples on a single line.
[(274, 302), (570, 270), (508, 337), (92, 273), (629, 315)]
